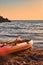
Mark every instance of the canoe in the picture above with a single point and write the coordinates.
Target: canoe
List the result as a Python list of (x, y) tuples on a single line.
[(15, 47)]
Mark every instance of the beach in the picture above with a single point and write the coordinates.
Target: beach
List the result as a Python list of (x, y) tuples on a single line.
[(26, 57)]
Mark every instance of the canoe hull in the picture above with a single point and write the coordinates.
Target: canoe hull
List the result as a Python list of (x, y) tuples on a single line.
[(11, 49)]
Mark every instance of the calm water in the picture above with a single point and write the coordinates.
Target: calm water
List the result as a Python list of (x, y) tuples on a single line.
[(27, 29)]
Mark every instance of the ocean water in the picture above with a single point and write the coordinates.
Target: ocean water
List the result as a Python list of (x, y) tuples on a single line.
[(28, 29)]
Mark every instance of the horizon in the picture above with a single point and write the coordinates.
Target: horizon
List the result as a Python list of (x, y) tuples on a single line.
[(22, 19), (22, 9), (27, 20)]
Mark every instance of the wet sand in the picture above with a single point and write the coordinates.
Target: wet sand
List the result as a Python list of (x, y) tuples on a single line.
[(26, 57)]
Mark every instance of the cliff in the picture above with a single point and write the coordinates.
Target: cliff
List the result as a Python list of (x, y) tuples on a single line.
[(4, 19)]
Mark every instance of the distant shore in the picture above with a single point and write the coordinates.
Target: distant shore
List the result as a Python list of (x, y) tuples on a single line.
[(4, 19)]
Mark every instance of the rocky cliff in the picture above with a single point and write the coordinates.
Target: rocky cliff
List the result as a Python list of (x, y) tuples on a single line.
[(4, 19)]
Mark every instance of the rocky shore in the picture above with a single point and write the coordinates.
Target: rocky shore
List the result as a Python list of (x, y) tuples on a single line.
[(4, 19), (26, 57)]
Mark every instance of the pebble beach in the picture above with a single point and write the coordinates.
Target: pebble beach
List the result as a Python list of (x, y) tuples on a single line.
[(26, 57)]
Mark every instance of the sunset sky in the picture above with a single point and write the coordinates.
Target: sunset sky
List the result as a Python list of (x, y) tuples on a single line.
[(22, 9)]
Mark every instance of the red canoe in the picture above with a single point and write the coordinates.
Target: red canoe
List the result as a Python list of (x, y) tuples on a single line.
[(5, 50)]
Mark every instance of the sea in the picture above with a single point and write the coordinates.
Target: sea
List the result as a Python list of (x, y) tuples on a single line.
[(28, 29)]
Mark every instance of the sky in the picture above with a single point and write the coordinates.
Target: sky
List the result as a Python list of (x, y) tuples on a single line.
[(22, 9)]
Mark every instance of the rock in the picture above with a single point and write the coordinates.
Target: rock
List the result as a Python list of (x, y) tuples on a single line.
[(4, 19)]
